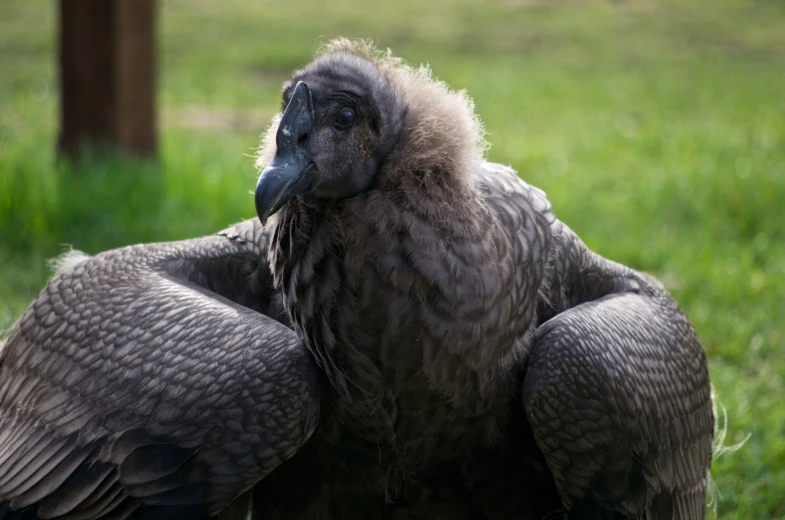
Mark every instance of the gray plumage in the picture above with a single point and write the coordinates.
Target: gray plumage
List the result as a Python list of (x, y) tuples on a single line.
[(147, 376), (478, 360)]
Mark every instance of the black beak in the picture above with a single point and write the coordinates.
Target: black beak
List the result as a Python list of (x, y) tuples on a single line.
[(288, 174)]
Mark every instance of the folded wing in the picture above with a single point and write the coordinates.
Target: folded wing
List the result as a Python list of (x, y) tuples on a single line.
[(618, 396), (616, 386), (152, 381)]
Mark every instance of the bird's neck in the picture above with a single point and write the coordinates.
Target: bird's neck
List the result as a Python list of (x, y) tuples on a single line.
[(401, 289)]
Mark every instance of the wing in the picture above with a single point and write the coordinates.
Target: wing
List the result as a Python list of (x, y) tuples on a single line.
[(148, 382), (616, 387), (617, 391)]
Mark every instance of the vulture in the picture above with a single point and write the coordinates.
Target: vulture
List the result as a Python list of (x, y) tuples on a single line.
[(405, 332)]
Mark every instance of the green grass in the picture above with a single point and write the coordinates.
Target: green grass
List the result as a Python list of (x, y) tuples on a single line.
[(657, 129)]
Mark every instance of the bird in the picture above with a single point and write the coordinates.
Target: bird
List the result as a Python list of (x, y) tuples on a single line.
[(405, 331)]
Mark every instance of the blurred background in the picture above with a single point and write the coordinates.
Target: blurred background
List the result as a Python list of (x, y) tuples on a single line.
[(657, 129)]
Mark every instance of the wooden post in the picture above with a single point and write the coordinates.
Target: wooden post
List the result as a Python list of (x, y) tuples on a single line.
[(107, 75)]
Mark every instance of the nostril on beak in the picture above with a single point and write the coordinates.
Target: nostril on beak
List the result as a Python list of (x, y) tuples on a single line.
[(302, 140)]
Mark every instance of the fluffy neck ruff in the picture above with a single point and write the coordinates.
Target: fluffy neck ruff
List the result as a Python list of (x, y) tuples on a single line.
[(442, 139)]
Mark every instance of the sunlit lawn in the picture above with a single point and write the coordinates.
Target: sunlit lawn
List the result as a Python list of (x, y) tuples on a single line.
[(657, 129)]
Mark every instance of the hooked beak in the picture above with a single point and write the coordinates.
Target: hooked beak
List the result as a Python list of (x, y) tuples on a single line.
[(288, 174)]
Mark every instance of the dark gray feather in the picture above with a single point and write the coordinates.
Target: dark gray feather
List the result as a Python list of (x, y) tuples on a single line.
[(158, 360), (617, 393)]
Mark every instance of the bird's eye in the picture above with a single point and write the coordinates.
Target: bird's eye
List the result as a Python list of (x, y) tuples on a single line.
[(345, 119)]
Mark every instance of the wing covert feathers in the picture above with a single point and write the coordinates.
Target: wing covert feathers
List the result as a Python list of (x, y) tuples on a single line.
[(148, 377), (616, 385), (617, 393)]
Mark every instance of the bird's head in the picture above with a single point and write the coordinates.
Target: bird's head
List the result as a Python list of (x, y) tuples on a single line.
[(347, 112), (341, 119)]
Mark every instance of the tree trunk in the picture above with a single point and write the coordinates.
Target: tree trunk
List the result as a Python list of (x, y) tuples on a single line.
[(107, 75)]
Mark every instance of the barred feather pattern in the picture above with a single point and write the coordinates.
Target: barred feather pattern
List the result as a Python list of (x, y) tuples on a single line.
[(148, 380)]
